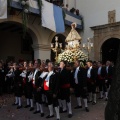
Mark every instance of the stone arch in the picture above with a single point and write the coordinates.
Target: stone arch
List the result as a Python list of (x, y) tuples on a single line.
[(109, 49), (103, 33), (106, 38), (101, 40), (31, 29)]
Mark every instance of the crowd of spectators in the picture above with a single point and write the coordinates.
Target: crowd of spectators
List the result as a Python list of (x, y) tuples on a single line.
[(65, 7)]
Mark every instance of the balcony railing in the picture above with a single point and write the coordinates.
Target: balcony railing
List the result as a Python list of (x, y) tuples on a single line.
[(69, 17)]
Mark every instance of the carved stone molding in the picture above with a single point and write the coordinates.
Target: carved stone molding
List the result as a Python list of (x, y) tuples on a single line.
[(103, 33), (112, 16)]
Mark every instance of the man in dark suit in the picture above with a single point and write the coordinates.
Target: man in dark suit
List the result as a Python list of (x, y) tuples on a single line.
[(28, 87), (64, 77), (18, 88), (101, 74), (80, 85), (51, 87), (109, 77), (91, 82), (2, 78), (109, 71), (36, 90)]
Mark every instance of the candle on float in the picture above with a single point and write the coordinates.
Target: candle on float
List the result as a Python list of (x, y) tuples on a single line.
[(51, 45)]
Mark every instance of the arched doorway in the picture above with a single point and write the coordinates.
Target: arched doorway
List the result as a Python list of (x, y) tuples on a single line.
[(61, 39), (12, 44), (109, 49)]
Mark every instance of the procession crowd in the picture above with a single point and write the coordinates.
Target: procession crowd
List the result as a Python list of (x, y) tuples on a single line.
[(50, 84)]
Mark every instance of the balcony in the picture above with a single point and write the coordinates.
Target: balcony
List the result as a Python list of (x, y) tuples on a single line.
[(69, 17)]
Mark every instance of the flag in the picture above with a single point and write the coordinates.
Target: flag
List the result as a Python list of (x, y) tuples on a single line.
[(52, 17), (3, 9), (33, 6)]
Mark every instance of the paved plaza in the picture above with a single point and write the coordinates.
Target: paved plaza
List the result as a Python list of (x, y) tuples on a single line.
[(9, 112)]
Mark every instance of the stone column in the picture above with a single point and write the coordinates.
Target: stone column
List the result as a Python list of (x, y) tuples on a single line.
[(41, 51)]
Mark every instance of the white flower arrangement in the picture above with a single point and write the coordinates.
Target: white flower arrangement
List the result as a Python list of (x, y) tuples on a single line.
[(71, 56)]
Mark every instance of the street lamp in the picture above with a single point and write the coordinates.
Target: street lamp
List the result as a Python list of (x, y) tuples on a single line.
[(88, 46), (56, 48)]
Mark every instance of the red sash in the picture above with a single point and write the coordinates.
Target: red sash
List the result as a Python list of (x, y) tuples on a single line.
[(33, 85), (65, 86), (100, 77), (89, 80), (24, 81), (45, 86), (110, 77)]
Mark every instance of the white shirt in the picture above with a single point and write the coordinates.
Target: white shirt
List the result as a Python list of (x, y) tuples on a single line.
[(107, 69), (89, 72), (99, 70), (23, 74), (43, 74), (75, 75), (48, 78), (34, 75), (30, 76), (10, 73)]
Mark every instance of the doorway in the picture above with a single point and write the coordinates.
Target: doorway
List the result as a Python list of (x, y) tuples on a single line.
[(109, 50), (13, 46)]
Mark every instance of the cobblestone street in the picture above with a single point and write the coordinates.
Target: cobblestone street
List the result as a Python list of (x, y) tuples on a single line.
[(9, 112)]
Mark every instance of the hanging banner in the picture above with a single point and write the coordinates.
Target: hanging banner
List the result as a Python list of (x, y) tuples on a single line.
[(3, 9)]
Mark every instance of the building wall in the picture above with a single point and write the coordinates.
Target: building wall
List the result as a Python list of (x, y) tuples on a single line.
[(10, 45), (42, 37), (95, 12)]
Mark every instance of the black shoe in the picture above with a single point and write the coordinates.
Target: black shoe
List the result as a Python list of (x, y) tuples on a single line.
[(70, 115), (42, 114), (77, 107), (36, 112), (63, 111), (27, 106), (19, 107), (93, 103), (86, 109), (60, 109), (100, 98), (89, 101), (58, 119), (50, 116), (15, 104), (106, 99), (32, 108)]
